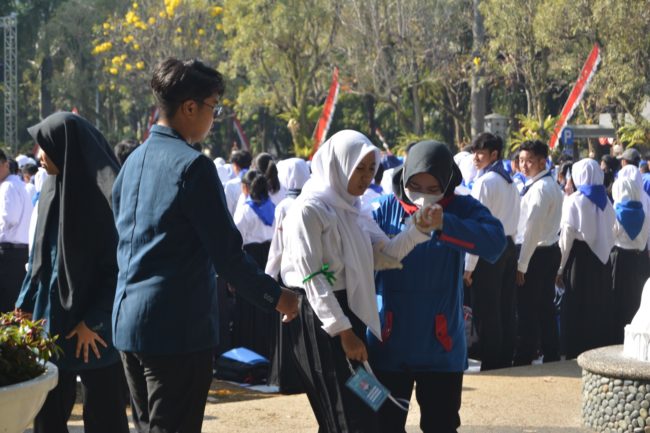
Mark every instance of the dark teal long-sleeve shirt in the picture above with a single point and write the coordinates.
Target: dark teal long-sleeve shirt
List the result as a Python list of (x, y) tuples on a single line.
[(174, 232)]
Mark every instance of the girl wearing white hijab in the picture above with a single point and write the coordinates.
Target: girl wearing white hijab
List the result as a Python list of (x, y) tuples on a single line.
[(328, 257), (630, 261), (586, 241)]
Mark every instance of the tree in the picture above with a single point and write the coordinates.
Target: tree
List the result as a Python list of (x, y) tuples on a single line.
[(516, 52), (279, 53), (404, 53), (128, 45)]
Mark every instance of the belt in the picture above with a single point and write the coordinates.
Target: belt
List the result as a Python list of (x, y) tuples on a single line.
[(10, 246)]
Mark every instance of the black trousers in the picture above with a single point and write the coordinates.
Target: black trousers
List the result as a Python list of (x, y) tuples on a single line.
[(13, 259), (493, 307), (438, 394), (536, 314), (630, 271), (104, 407), (323, 368), (587, 317), (168, 393)]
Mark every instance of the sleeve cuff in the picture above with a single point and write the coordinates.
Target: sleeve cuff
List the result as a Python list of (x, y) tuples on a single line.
[(337, 326), (416, 235), (522, 267)]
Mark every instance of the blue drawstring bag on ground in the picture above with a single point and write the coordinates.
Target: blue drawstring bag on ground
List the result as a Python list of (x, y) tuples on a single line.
[(242, 365)]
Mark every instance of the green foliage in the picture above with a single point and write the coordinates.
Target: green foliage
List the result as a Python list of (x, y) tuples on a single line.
[(531, 129), (635, 135), (25, 347), (405, 139)]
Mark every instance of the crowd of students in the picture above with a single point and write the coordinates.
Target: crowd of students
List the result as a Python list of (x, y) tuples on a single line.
[(150, 260)]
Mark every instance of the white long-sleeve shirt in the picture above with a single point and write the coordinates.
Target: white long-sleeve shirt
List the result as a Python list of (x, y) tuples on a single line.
[(251, 227), (502, 199), (539, 217), (277, 243), (311, 239), (15, 211), (232, 191)]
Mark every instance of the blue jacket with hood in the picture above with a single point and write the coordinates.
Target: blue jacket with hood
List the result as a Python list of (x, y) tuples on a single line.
[(421, 305)]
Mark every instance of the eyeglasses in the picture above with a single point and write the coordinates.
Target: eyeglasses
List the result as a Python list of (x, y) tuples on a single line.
[(217, 109)]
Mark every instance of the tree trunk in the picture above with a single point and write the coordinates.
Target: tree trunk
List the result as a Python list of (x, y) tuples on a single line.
[(418, 127), (47, 71), (370, 105), (478, 93)]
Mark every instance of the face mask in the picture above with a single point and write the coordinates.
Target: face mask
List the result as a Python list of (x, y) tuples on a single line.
[(421, 200)]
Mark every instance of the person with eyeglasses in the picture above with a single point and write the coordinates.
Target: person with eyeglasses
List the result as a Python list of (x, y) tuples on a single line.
[(175, 235)]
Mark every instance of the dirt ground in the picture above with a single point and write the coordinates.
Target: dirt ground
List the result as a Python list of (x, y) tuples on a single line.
[(535, 399)]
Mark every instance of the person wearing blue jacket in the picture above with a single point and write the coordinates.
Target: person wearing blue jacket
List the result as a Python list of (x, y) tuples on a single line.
[(174, 232), (421, 308)]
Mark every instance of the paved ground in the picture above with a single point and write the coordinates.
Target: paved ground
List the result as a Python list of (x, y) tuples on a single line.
[(535, 399)]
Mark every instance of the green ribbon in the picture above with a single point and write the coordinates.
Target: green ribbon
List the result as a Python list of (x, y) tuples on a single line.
[(324, 270)]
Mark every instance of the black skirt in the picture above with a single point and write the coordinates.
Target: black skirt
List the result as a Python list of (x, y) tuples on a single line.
[(323, 368), (630, 271), (254, 328), (587, 314)]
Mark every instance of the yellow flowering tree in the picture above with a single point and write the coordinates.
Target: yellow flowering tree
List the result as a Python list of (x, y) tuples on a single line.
[(129, 44)]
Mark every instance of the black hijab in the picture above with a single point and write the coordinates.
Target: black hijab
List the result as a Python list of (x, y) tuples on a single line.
[(430, 157), (87, 239)]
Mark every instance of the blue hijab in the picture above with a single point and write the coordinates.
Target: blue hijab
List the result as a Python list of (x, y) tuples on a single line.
[(597, 194)]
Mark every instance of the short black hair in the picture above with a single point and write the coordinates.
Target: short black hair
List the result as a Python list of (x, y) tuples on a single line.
[(536, 147), (124, 148), (3, 156), (175, 82), (242, 158), (257, 184), (29, 169), (489, 141)]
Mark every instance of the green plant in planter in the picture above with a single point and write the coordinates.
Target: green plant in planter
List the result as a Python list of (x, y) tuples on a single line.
[(25, 347)]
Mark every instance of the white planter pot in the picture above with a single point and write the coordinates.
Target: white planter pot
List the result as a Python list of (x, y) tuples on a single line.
[(19, 403)]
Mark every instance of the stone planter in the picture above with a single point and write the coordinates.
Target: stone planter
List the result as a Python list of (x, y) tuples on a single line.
[(19, 403), (615, 391)]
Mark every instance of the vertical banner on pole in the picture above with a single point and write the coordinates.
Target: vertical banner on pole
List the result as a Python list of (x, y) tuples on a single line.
[(587, 73), (243, 141), (328, 111)]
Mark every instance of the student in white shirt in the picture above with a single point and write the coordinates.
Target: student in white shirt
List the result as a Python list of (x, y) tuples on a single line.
[(329, 258), (586, 241), (492, 285), (539, 256), (241, 161), (630, 261), (293, 173), (15, 213), (252, 327)]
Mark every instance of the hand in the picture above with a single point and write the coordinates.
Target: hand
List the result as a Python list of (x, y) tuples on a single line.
[(353, 346), (467, 278), (428, 218), (287, 305), (520, 280), (20, 314), (86, 338), (559, 281), (384, 261)]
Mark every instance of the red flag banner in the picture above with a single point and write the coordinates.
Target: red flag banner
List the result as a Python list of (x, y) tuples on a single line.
[(240, 134), (328, 112), (587, 73)]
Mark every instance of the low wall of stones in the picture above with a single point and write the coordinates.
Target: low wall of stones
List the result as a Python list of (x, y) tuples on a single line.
[(616, 405)]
